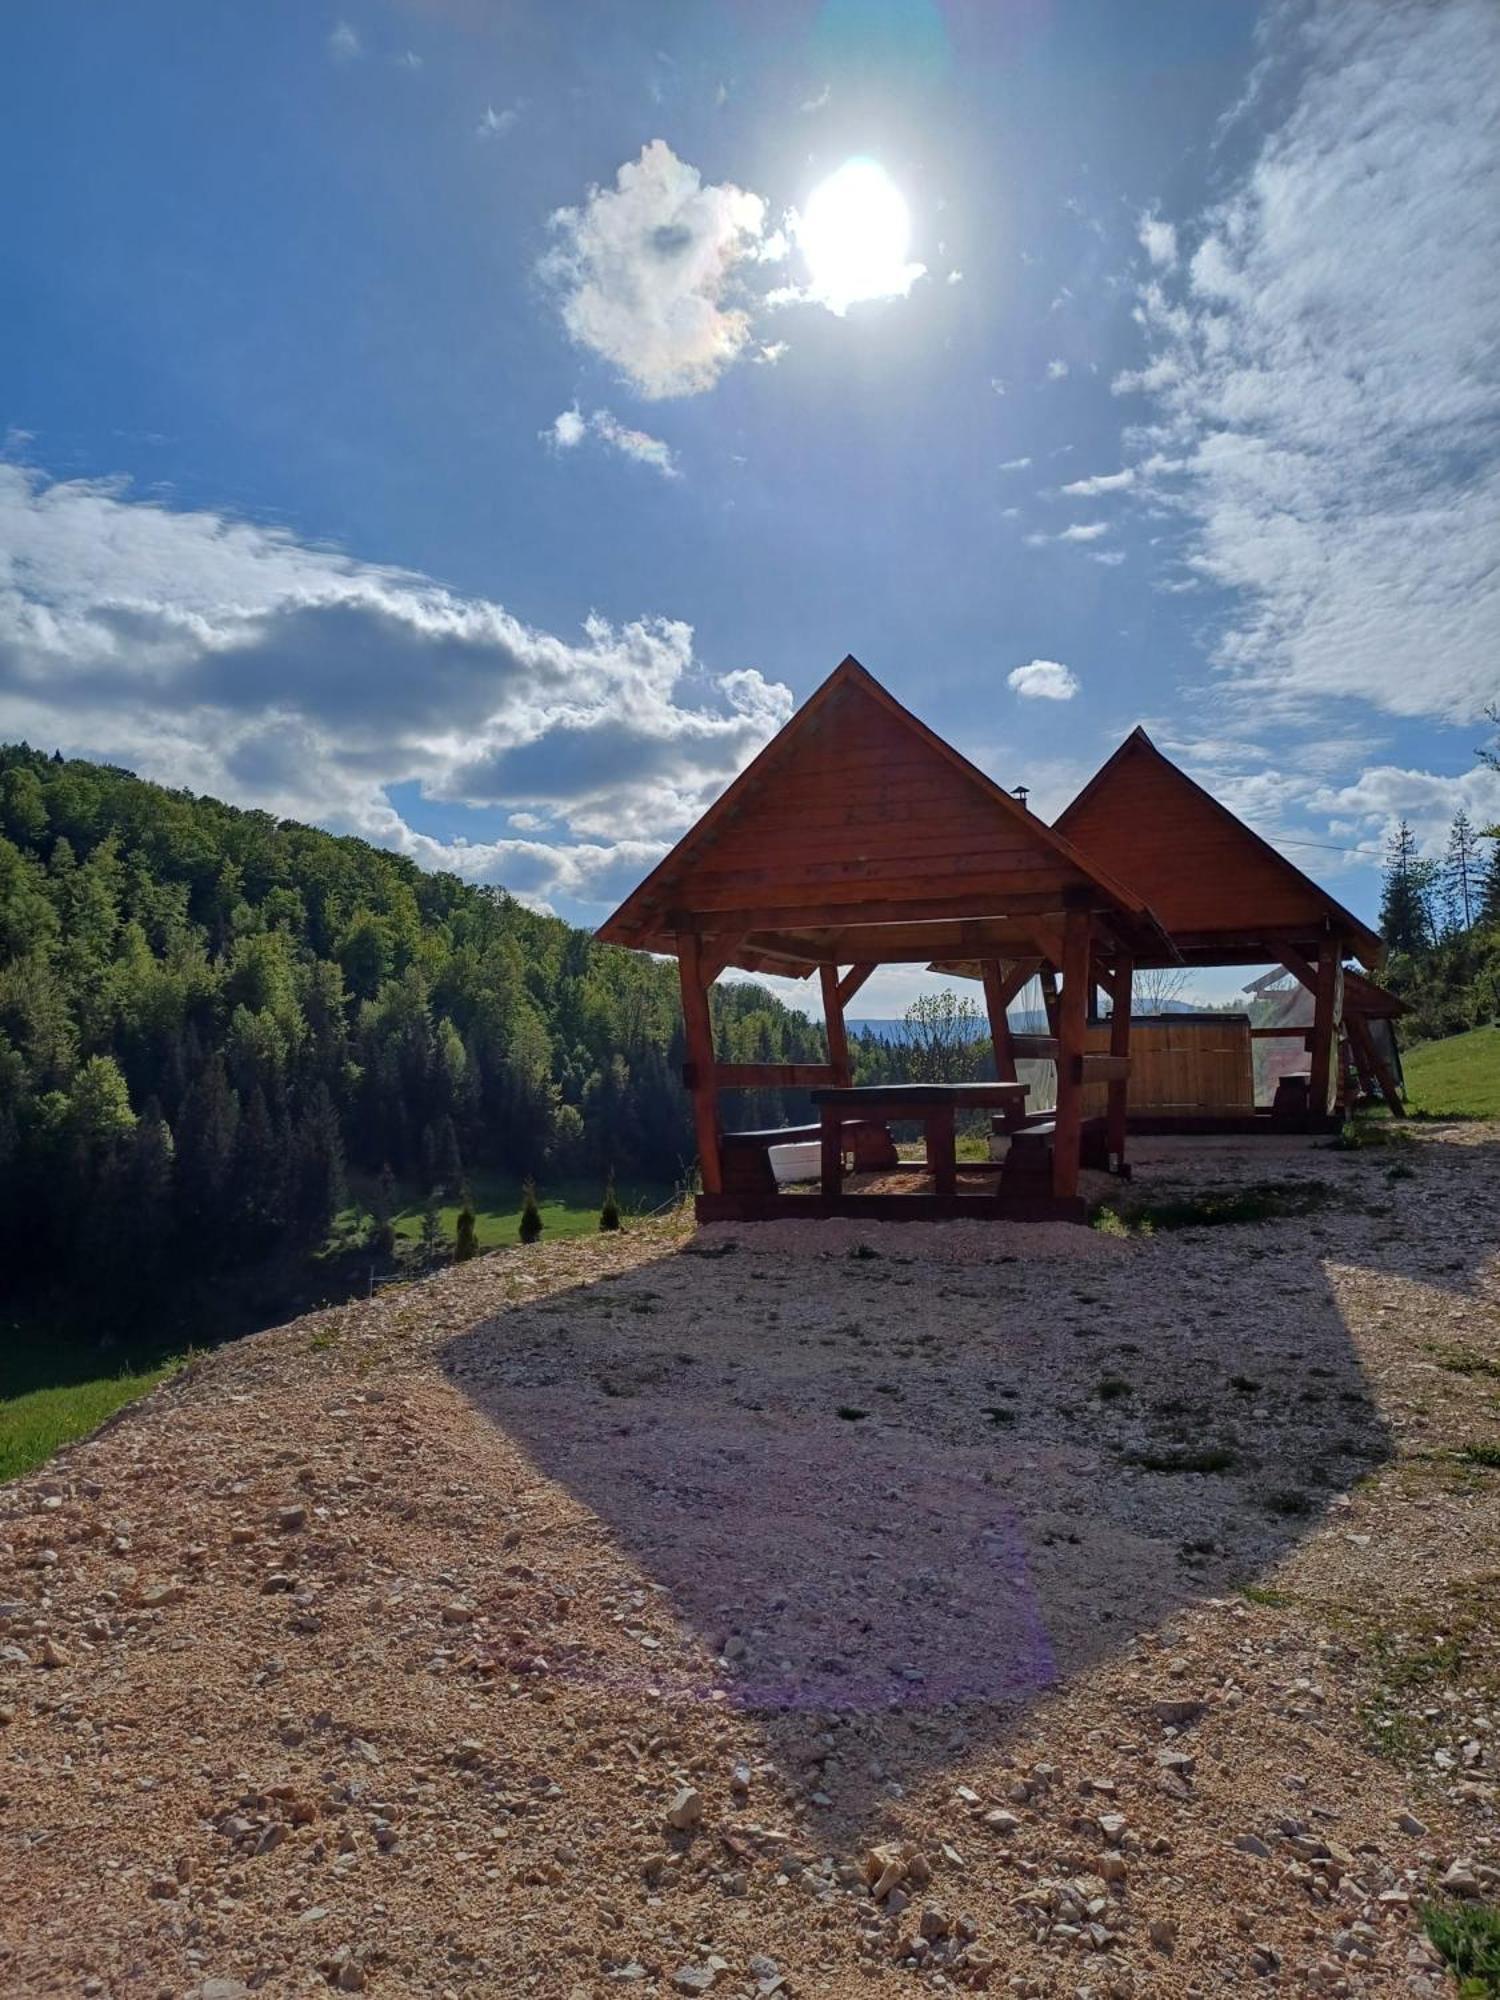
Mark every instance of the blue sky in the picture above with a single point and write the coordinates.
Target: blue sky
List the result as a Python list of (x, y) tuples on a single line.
[(442, 420)]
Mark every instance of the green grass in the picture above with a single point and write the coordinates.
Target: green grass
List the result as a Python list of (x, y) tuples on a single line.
[(1260, 1201), (1455, 1078), (1468, 1936), (56, 1386), (34, 1424), (568, 1208)]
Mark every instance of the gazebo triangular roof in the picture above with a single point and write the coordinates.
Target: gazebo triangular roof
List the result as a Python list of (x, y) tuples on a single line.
[(1220, 890), (858, 817)]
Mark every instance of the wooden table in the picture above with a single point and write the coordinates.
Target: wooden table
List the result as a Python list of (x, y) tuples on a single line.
[(936, 1104)]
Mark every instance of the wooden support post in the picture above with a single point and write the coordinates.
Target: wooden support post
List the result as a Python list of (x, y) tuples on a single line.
[(1119, 1045), (1328, 1007), (700, 1048), (1072, 1015), (942, 1153), (833, 1025), (831, 1122)]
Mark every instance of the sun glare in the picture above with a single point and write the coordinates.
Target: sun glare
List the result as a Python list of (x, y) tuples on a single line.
[(855, 233)]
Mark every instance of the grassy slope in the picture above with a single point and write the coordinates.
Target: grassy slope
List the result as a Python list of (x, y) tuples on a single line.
[(51, 1393), (33, 1425), (1456, 1078)]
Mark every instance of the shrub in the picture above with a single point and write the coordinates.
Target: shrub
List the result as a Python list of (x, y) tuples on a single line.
[(531, 1215), (609, 1211), (466, 1240)]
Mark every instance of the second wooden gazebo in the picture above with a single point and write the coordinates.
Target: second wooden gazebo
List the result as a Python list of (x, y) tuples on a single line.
[(859, 838)]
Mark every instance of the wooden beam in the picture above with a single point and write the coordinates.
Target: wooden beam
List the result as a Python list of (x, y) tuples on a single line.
[(911, 904), (1366, 1045), (1301, 969), (1328, 997), (994, 1000), (774, 1076), (833, 1024), (698, 1024), (1119, 1048), (1035, 1048), (1071, 1020), (906, 944), (1048, 977), (853, 979), (716, 953)]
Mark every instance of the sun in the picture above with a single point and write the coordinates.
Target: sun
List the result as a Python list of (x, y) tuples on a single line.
[(855, 233)]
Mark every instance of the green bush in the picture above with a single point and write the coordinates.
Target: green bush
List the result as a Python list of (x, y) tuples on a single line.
[(466, 1241)]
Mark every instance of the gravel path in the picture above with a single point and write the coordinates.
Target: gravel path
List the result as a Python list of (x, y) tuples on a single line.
[(796, 1610)]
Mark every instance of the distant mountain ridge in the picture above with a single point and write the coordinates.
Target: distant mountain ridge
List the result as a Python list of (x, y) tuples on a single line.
[(895, 1029)]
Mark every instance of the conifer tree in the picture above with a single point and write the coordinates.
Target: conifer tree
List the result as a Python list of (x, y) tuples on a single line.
[(466, 1241), (1405, 907), (609, 1212), (531, 1216), (1461, 867), (383, 1210)]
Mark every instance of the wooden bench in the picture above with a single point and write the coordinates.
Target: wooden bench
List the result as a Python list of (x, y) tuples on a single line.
[(745, 1157), (1027, 1166)]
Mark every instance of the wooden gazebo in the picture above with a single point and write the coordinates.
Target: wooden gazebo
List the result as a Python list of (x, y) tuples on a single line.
[(859, 838), (1225, 896)]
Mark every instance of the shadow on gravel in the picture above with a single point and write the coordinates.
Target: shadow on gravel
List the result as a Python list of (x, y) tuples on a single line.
[(905, 1500)]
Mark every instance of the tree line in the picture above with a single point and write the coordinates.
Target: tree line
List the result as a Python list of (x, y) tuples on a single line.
[(1440, 916), (209, 1017)]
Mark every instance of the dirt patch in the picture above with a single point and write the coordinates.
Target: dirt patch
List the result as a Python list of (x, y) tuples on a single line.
[(851, 1607)]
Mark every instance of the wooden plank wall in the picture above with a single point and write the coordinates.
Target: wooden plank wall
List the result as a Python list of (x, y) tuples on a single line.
[(1176, 1067)]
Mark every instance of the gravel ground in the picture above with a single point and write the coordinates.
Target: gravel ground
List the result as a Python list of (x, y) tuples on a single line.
[(796, 1610)]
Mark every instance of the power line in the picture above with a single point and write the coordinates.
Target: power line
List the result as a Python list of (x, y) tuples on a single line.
[(1326, 846)]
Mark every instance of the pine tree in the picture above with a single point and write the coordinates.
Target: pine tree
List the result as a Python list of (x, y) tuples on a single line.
[(1461, 873), (383, 1210), (318, 1189), (1487, 902), (430, 1235), (466, 1241), (609, 1212), (450, 1161), (531, 1215), (1405, 907)]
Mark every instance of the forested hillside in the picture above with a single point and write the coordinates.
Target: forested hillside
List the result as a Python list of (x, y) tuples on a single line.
[(207, 1016)]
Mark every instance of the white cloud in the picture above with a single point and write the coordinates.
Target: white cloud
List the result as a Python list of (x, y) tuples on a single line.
[(1084, 531), (954, 278), (1056, 369), (646, 272), (1043, 680), (1014, 464), (1158, 240), (997, 385), (238, 660), (1111, 558), (1325, 368), (817, 103), (569, 428), (1102, 482), (1385, 794), (495, 124), (344, 44)]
